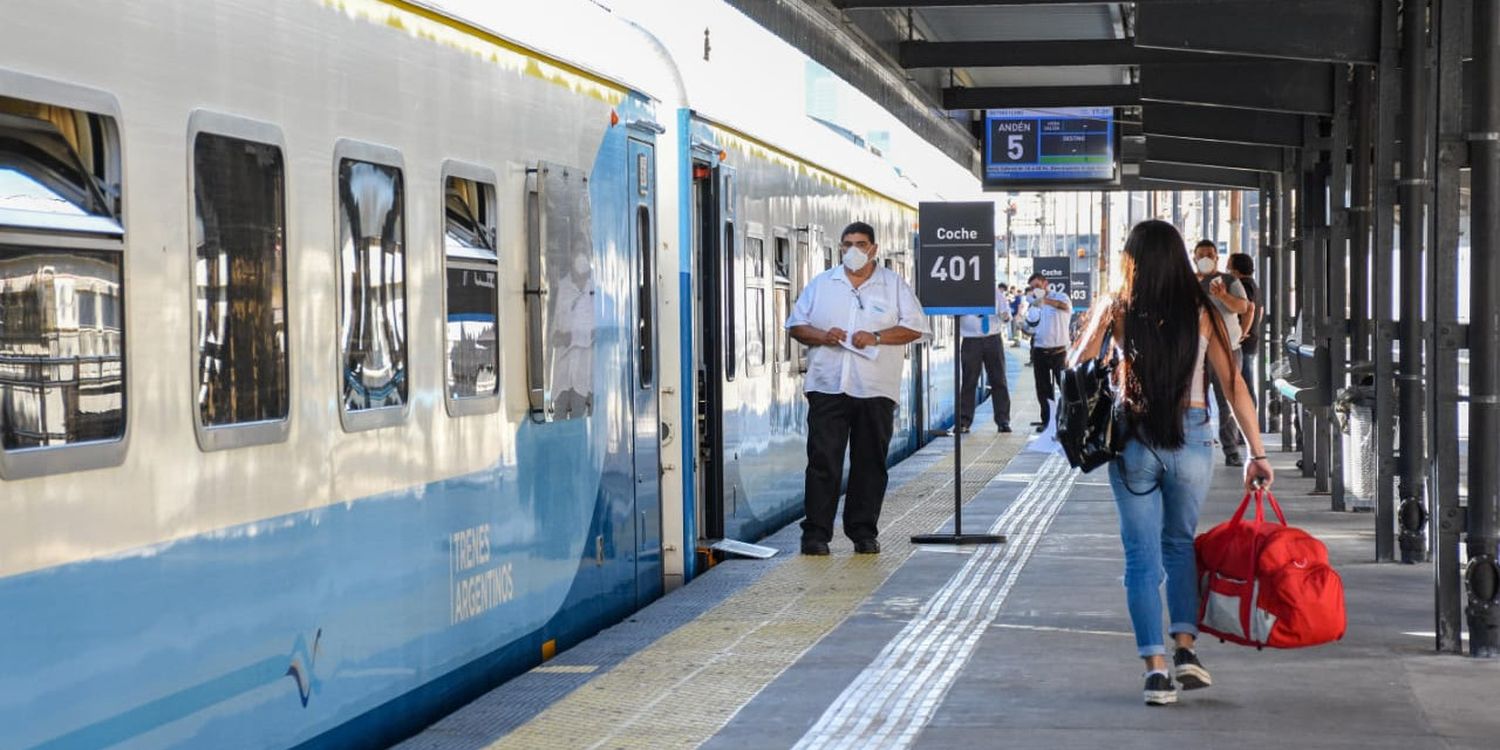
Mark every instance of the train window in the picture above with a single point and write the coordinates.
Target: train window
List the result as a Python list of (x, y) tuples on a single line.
[(239, 281), (560, 294), (783, 259), (645, 299), (783, 310), (827, 257), (372, 286), (62, 332), (755, 251), (799, 282), (781, 299), (755, 304), (471, 301)]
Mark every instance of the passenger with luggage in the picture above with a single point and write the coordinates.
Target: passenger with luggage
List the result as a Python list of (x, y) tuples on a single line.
[(1166, 333)]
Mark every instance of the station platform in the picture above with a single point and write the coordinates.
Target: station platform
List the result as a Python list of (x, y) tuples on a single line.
[(1026, 643)]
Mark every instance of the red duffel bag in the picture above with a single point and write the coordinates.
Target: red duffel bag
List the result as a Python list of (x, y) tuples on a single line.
[(1264, 583)]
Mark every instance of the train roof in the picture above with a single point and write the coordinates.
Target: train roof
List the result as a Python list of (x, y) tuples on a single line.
[(709, 58)]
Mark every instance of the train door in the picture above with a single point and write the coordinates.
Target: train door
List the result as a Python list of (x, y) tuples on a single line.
[(648, 564), (714, 236)]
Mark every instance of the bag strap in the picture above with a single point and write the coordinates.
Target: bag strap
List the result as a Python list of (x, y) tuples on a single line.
[(1261, 498), (1275, 506)]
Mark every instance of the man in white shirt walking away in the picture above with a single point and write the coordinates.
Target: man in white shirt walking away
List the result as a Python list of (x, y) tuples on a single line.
[(983, 346), (1050, 315), (854, 317)]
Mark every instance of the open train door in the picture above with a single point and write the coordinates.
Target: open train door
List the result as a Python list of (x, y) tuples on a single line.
[(714, 260), (648, 566)]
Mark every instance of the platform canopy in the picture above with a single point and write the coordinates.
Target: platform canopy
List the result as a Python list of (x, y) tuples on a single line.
[(1208, 92)]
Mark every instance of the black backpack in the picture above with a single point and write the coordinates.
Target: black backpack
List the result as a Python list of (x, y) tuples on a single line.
[(1090, 428)]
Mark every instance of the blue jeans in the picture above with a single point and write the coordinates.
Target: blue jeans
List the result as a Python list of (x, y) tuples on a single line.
[(1157, 528)]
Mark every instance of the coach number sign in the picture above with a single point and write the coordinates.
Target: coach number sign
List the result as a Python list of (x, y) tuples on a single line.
[(956, 258)]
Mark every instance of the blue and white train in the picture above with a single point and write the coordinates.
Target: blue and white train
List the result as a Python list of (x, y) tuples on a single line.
[(356, 355)]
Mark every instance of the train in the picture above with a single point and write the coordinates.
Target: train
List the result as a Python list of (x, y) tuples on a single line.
[(357, 355)]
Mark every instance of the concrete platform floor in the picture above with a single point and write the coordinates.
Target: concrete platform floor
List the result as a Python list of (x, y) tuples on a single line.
[(1026, 644)]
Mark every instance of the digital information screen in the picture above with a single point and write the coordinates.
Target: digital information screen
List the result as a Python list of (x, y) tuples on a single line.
[(1049, 146)]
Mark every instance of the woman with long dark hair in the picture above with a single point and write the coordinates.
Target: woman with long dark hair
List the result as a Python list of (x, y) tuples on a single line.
[(1165, 333)]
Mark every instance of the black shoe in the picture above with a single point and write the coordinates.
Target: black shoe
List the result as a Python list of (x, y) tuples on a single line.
[(1234, 460), (964, 429), (814, 547), (1188, 671), (1159, 690), (866, 547), (1005, 427)]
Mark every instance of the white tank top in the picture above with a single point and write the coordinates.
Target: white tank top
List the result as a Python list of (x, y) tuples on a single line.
[(1195, 394)]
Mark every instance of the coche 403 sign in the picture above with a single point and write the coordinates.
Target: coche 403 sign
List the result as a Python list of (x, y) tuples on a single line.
[(956, 258)]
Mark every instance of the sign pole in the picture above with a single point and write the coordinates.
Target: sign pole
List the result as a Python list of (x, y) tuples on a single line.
[(958, 434), (956, 275)]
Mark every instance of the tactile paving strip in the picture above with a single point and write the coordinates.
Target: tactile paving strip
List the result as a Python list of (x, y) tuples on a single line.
[(681, 688)]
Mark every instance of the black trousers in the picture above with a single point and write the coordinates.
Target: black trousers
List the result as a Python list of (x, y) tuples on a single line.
[(1247, 370), (1047, 365), (985, 351), (864, 425)]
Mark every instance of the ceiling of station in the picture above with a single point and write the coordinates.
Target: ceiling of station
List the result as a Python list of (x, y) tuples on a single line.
[(1020, 23), (1261, 74), (960, 23)]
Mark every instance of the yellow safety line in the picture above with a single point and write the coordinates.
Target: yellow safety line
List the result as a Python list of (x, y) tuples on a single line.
[(718, 662)]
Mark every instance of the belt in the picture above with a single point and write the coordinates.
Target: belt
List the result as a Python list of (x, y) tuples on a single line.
[(1051, 349)]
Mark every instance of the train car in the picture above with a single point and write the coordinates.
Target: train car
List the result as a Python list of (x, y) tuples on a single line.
[(764, 192), (339, 353)]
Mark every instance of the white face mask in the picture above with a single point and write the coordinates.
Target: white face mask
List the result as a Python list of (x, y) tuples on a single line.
[(581, 266), (1206, 265), (855, 259), (1038, 293)]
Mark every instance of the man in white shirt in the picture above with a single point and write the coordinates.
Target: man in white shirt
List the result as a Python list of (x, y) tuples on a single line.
[(982, 346), (1050, 315), (1233, 306), (854, 317)]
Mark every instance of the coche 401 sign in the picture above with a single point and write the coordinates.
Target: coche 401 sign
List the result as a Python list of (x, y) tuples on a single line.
[(955, 267), (956, 258)]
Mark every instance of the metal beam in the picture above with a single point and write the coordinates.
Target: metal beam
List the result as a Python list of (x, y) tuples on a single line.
[(1040, 96), (1273, 85), (1450, 26), (1360, 214), (1033, 53), (1383, 274), (1328, 30), (1199, 176), (1312, 292), (1222, 124), (1484, 339), (1285, 223), (1412, 192), (1171, 150), (1335, 270)]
